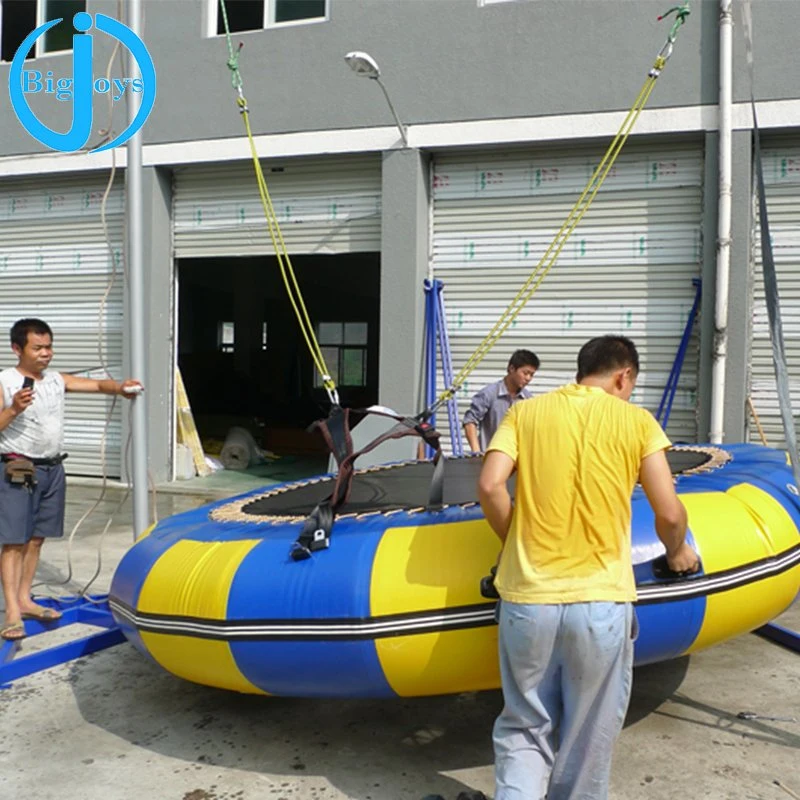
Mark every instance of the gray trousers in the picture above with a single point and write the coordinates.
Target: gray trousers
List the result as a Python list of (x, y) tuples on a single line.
[(566, 672)]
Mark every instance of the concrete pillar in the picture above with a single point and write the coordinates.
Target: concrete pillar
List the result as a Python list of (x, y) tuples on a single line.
[(159, 304), (404, 267), (740, 289), (740, 297), (708, 276)]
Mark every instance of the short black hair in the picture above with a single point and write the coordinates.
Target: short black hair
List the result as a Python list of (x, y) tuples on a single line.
[(523, 358), (22, 327), (604, 354)]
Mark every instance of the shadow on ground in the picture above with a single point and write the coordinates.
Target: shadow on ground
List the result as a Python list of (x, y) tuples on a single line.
[(357, 745), (653, 684)]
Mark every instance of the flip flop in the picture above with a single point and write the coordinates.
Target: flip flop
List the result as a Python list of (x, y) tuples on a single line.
[(45, 615), (13, 631)]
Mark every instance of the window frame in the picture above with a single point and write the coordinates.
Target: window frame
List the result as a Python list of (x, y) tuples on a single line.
[(41, 18), (340, 348), (268, 22)]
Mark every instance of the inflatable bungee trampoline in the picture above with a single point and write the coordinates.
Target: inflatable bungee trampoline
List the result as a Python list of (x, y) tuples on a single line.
[(393, 606)]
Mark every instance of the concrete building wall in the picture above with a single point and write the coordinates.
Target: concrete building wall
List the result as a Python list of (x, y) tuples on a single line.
[(443, 60)]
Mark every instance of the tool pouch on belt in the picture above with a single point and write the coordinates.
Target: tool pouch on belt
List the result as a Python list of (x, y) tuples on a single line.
[(21, 472)]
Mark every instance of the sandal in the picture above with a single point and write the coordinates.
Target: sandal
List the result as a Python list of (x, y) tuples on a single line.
[(13, 631), (42, 614)]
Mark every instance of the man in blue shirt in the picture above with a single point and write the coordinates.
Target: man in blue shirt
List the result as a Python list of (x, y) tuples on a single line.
[(490, 404)]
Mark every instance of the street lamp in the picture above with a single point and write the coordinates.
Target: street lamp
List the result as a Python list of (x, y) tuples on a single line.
[(364, 64)]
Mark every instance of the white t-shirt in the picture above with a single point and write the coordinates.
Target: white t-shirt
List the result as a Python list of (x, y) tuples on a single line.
[(38, 432)]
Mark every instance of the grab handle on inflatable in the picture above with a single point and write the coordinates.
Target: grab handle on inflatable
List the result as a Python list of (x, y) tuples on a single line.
[(662, 572), (487, 585)]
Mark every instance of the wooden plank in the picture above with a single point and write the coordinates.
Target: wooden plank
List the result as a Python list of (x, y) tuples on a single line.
[(187, 431)]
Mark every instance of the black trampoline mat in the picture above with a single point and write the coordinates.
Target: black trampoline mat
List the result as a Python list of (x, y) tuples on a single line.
[(407, 486)]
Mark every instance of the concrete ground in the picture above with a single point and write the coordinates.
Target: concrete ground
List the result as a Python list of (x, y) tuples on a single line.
[(114, 726)]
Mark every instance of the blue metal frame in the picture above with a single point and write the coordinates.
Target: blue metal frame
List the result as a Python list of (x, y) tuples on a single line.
[(447, 369), (436, 327), (92, 611), (665, 406), (430, 354), (780, 635)]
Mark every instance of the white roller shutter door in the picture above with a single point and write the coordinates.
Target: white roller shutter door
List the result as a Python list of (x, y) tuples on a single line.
[(330, 205), (55, 264), (627, 268), (782, 183)]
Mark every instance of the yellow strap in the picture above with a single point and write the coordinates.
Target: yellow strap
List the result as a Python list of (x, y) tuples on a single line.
[(281, 253), (557, 244), (576, 214), (285, 264)]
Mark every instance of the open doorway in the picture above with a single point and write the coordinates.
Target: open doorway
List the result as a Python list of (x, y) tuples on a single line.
[(245, 363)]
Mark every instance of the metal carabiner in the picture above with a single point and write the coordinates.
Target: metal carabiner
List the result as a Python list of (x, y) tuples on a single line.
[(330, 388), (666, 51)]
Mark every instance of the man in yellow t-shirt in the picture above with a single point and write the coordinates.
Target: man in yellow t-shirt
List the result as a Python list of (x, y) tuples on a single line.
[(566, 623)]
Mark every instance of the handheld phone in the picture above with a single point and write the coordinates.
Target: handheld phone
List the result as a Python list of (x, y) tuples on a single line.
[(27, 383)]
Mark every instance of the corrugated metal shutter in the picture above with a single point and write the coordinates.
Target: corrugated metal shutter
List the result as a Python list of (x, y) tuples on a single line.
[(627, 268), (782, 181), (328, 205), (55, 264)]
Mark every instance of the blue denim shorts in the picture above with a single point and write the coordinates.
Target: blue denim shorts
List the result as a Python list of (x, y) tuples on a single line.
[(36, 512)]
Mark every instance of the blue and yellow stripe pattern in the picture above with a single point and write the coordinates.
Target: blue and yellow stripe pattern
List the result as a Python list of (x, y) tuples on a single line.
[(393, 607)]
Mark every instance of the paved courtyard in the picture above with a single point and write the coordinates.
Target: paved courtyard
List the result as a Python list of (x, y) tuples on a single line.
[(114, 726)]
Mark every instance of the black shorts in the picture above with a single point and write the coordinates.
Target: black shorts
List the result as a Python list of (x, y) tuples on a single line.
[(25, 513)]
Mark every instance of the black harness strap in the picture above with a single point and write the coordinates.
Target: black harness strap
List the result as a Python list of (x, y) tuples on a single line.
[(316, 532), (336, 432), (436, 494)]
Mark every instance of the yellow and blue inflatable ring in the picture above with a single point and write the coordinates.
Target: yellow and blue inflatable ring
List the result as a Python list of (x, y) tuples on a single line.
[(393, 606)]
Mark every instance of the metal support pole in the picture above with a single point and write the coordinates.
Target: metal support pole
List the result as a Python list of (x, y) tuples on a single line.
[(133, 196)]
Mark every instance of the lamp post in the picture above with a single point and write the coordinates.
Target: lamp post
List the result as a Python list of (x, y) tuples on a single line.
[(364, 64)]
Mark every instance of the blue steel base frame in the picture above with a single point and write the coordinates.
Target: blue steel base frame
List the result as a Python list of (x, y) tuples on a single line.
[(780, 635), (93, 611)]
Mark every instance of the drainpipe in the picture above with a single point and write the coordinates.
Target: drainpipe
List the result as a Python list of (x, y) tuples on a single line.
[(724, 223)]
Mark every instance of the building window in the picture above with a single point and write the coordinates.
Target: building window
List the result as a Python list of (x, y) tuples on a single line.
[(226, 337), (19, 17), (344, 348), (253, 15)]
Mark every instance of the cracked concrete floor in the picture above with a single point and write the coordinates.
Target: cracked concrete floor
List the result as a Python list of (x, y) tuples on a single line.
[(114, 726)]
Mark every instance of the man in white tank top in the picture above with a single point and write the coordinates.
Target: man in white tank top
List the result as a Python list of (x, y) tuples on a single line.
[(32, 494)]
